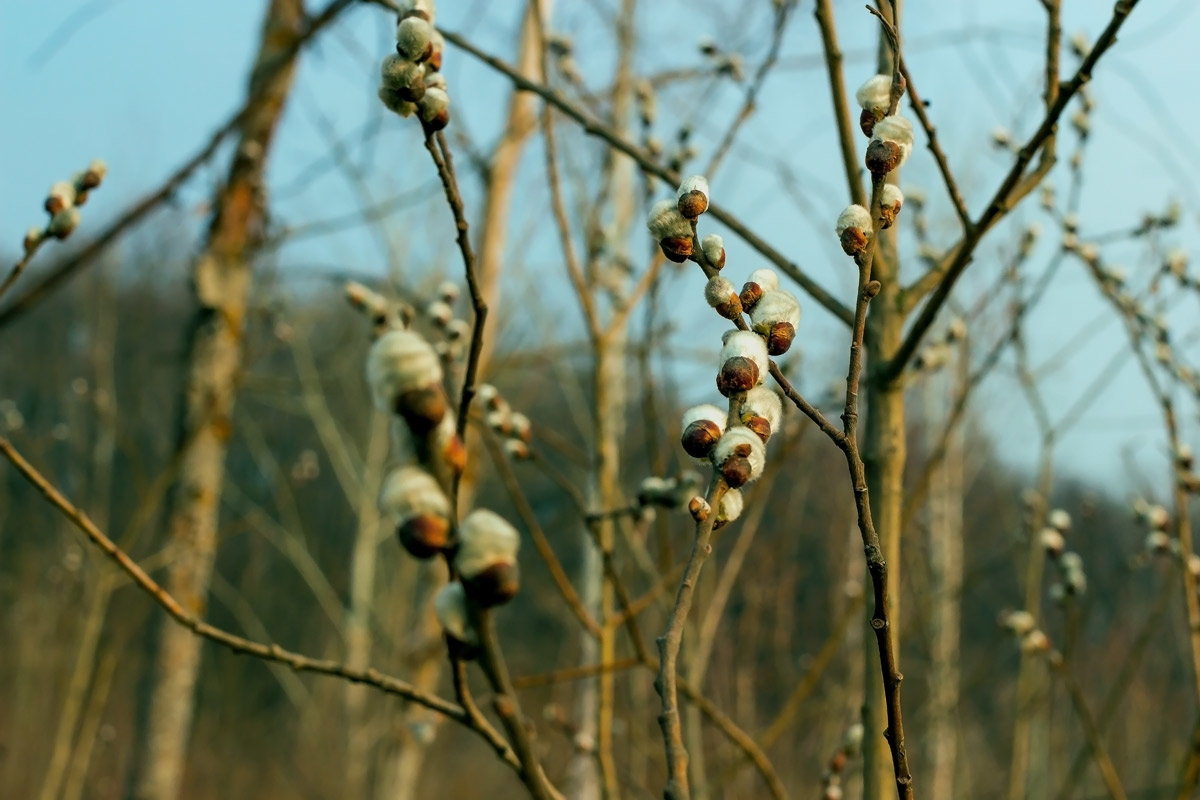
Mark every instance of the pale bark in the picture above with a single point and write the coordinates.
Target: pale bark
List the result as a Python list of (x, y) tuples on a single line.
[(945, 585), (221, 281), (360, 740)]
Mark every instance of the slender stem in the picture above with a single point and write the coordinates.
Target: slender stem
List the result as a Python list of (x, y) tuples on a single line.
[(667, 682)]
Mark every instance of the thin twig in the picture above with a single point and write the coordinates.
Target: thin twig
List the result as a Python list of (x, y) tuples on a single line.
[(1013, 188), (267, 652)]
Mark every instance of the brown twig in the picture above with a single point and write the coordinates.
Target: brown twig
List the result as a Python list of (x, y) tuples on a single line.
[(435, 143), (599, 130), (267, 652), (667, 683), (151, 201), (940, 281)]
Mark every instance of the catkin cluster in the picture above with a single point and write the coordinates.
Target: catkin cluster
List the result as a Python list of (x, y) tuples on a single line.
[(409, 79), (62, 204), (406, 377)]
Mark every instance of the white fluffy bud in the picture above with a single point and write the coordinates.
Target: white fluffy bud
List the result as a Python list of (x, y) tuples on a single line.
[(400, 361), (450, 605), (875, 95)]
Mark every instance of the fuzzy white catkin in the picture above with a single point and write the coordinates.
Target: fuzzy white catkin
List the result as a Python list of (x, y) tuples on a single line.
[(766, 279), (708, 412), (891, 197), (432, 103), (1059, 519), (854, 216), (746, 344), (665, 220), (775, 306), (732, 504), (876, 94), (411, 491), (397, 73), (895, 129), (413, 36), (718, 290), (693, 183), (734, 438), (712, 245), (397, 362), (485, 538), (63, 223), (763, 402), (64, 191), (450, 605)]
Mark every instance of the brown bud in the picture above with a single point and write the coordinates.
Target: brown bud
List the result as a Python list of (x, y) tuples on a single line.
[(735, 470), (676, 248), (693, 204), (700, 437), (780, 337), (871, 289), (738, 374), (90, 180), (423, 408), (54, 204), (494, 585), (699, 508), (455, 454), (437, 121), (424, 535), (751, 294), (866, 121), (888, 214), (854, 241), (883, 156), (760, 425), (435, 59), (838, 762), (731, 309)]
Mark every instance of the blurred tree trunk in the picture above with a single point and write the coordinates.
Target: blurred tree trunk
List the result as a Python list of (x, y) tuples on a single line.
[(945, 582), (221, 281)]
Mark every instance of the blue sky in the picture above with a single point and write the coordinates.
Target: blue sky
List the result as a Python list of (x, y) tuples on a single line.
[(142, 83)]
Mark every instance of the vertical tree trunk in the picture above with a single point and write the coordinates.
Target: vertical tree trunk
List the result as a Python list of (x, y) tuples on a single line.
[(945, 586), (884, 451), (359, 737), (221, 281)]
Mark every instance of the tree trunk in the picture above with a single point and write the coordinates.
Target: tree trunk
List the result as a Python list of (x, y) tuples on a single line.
[(221, 281), (945, 585)]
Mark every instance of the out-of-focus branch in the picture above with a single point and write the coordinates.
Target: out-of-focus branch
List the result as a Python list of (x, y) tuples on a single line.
[(1015, 186), (135, 213), (267, 652)]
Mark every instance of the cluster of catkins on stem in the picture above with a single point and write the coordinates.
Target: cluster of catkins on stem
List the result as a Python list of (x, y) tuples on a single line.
[(891, 142), (514, 428), (1023, 625), (851, 747), (406, 379), (1073, 579), (62, 204), (733, 440), (409, 79)]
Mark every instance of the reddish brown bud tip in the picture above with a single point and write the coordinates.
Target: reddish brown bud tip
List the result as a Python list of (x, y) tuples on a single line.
[(731, 309), (779, 338), (55, 204), (700, 437), (495, 585), (736, 471), (693, 204), (424, 535), (751, 294), (676, 248), (760, 425), (854, 241), (423, 408), (455, 454), (888, 214), (883, 156), (866, 121), (738, 374), (699, 508)]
